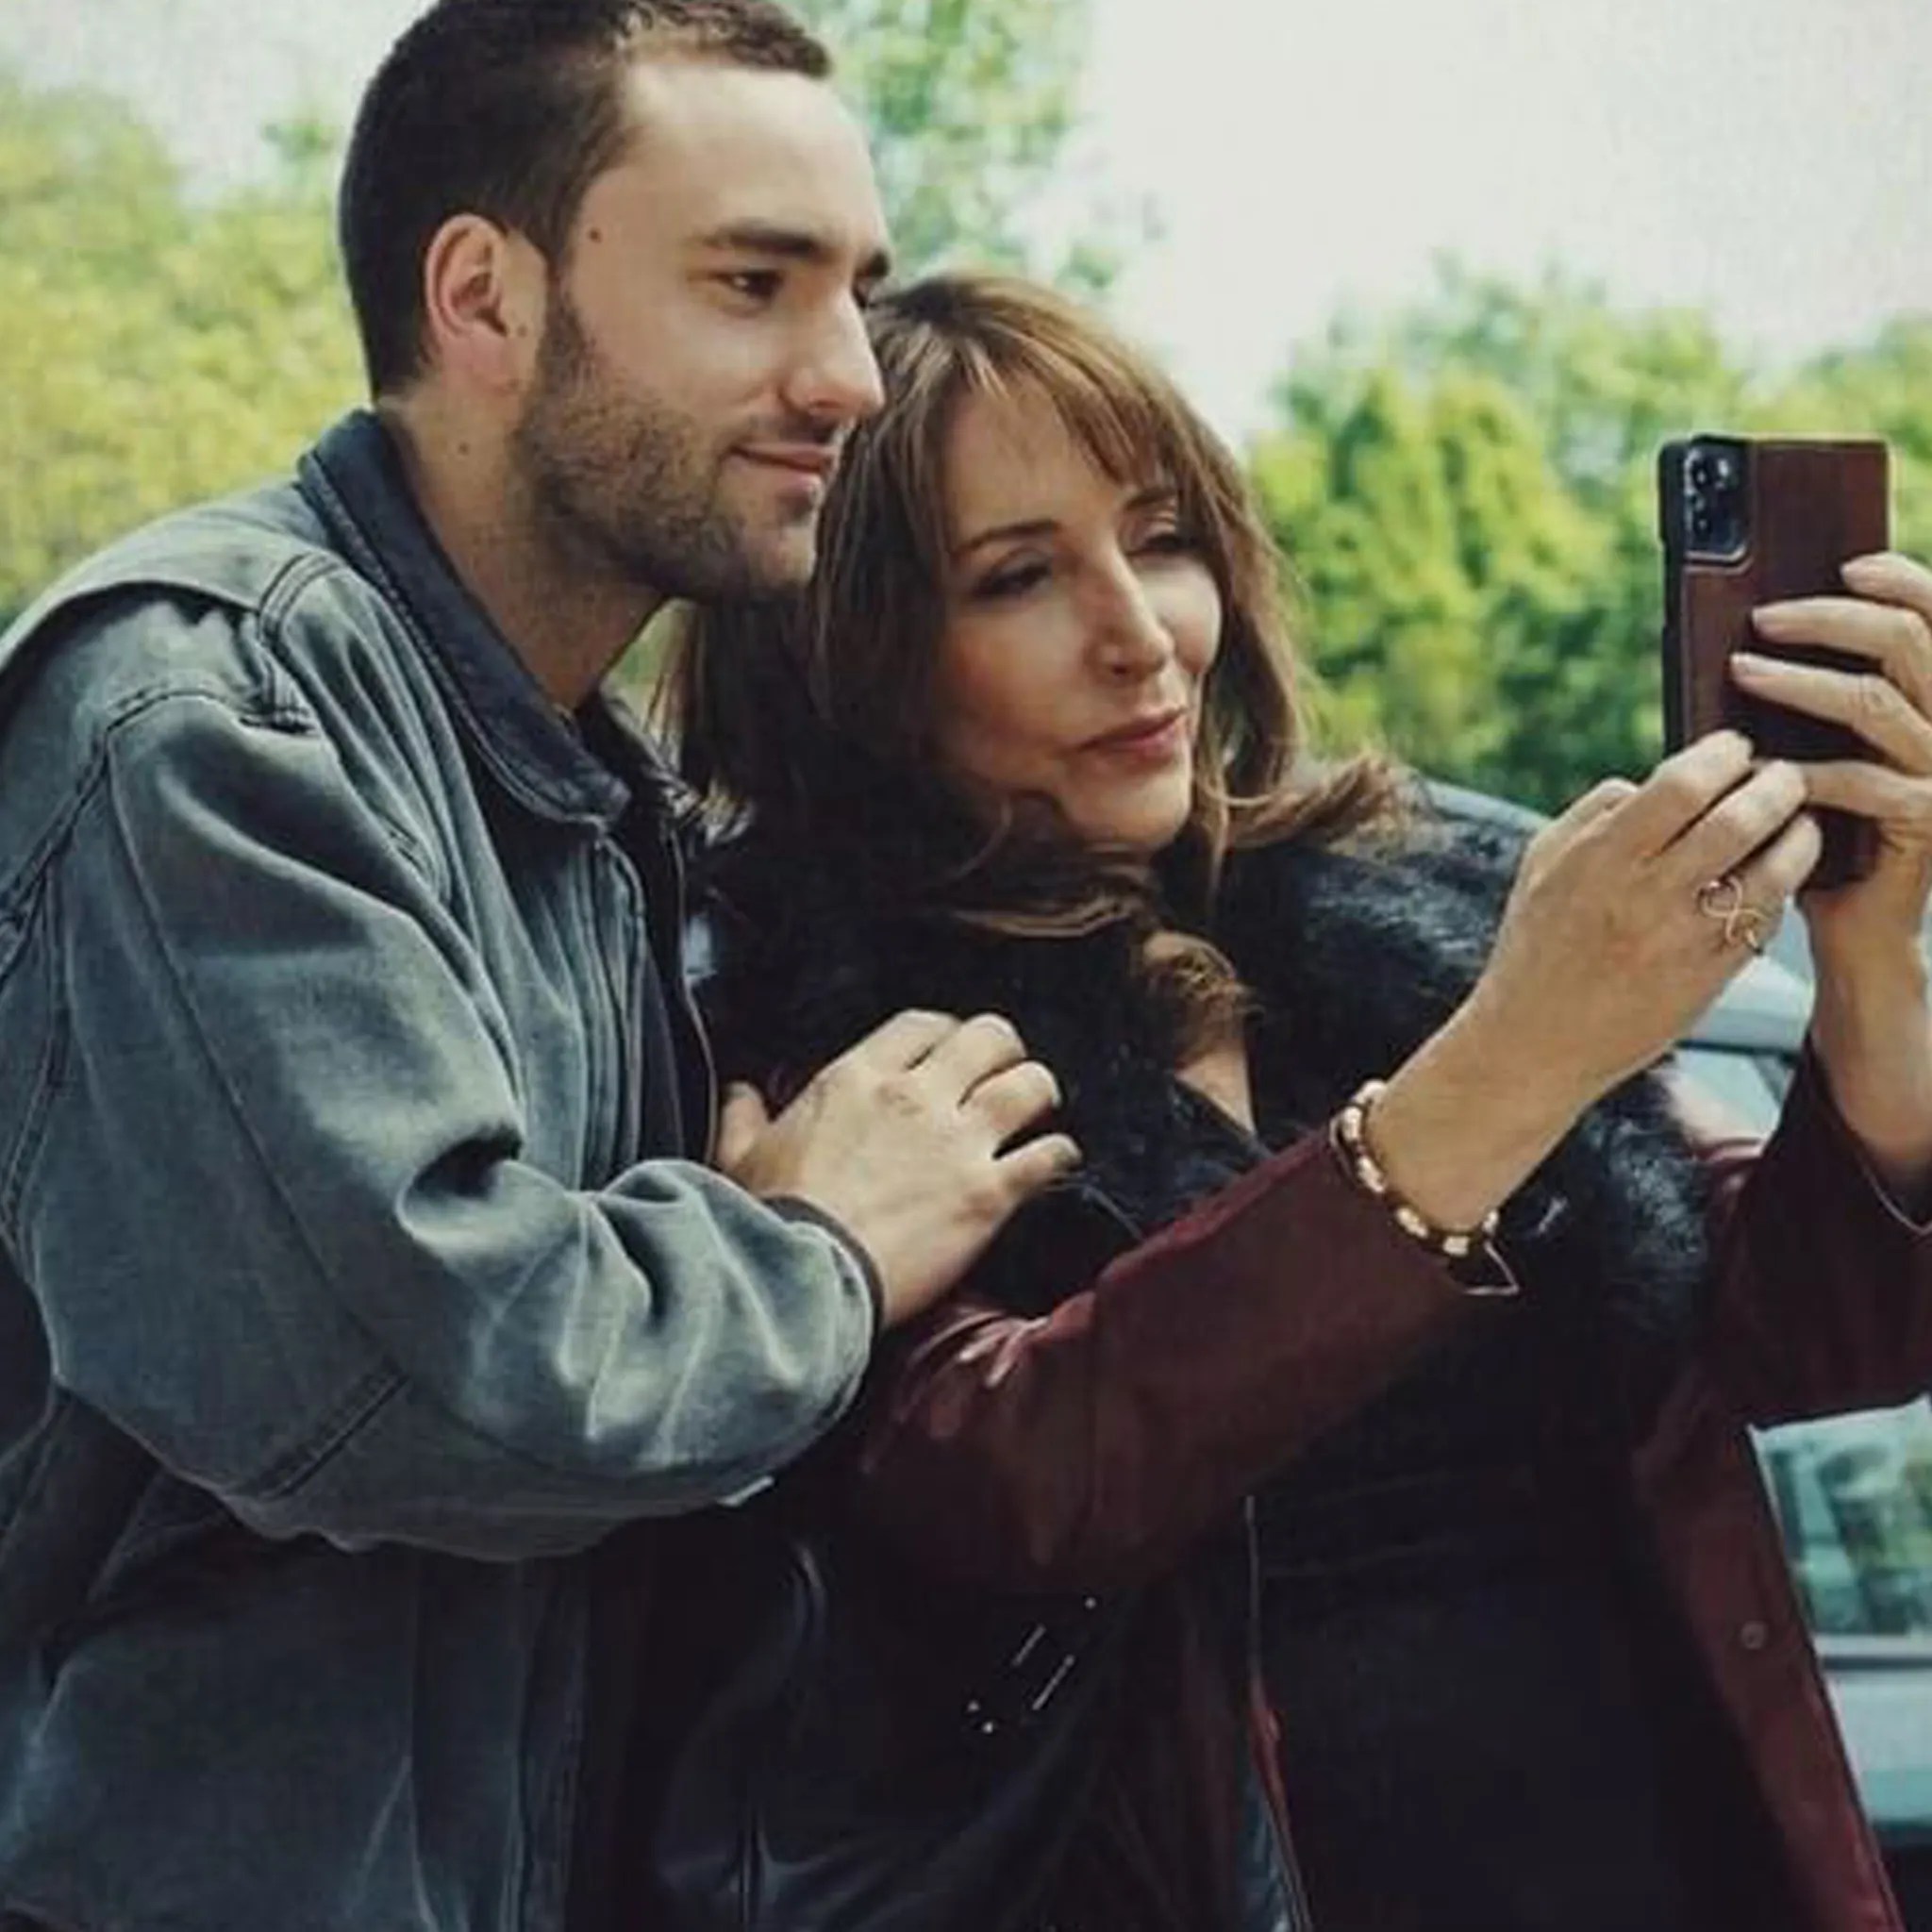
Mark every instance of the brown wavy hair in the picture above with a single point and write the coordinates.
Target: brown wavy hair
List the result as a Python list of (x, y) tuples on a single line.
[(812, 717)]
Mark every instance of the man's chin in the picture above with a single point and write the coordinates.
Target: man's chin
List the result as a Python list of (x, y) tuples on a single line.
[(781, 567)]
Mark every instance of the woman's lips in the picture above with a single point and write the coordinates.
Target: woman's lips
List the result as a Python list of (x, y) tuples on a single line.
[(1156, 739)]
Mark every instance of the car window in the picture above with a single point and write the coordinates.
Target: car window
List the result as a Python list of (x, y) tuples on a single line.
[(1854, 1498), (1853, 1494), (1748, 1085)]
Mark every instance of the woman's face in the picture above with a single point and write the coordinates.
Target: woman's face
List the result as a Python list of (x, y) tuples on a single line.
[(1080, 623)]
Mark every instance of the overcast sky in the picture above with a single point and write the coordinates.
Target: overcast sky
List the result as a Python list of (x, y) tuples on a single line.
[(1770, 160)]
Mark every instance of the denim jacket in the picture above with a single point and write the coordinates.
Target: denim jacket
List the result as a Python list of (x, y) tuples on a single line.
[(357, 1281)]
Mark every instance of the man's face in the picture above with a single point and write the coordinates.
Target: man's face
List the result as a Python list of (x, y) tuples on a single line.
[(704, 351)]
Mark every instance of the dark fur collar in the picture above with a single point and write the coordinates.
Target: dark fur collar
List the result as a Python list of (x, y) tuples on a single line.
[(1357, 958)]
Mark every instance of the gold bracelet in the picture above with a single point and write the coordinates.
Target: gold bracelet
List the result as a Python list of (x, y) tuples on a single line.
[(1348, 1134)]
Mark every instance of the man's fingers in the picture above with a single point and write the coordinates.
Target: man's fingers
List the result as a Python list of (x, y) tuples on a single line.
[(742, 1119), (905, 1039), (974, 1051), (1037, 1164), (1014, 1098)]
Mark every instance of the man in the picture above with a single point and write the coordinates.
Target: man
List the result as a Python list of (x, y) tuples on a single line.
[(358, 1283)]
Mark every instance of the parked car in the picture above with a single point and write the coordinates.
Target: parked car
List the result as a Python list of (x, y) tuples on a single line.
[(1853, 1494)]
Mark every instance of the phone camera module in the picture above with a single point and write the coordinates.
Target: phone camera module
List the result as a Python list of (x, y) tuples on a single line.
[(1713, 500)]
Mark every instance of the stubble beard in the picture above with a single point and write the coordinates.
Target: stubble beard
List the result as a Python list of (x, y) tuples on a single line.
[(628, 486)]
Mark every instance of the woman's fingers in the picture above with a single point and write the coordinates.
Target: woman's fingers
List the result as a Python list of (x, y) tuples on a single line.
[(1868, 702), (1741, 910), (1888, 623), (1900, 804), (1747, 817), (1653, 816), (1892, 578), (1771, 880)]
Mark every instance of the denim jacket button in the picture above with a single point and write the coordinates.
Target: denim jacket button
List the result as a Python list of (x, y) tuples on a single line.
[(1754, 1635)]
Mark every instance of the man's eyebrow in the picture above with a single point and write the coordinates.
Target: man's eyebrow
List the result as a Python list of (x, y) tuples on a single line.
[(775, 238)]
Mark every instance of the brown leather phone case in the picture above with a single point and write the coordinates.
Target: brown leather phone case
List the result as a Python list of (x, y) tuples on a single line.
[(1806, 506)]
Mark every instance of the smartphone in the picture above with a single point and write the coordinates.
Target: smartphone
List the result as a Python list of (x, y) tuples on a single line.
[(1748, 521)]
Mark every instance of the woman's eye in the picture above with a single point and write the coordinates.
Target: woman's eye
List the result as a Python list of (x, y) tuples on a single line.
[(1011, 580), (1167, 540)]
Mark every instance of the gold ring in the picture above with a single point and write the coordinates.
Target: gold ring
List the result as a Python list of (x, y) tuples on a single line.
[(1723, 899)]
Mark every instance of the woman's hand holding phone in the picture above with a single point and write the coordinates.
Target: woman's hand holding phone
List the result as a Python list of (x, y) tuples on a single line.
[(1885, 622), (1871, 1024)]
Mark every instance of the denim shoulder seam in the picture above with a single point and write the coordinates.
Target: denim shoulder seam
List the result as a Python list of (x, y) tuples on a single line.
[(360, 1403), (18, 893), (275, 621), (46, 1082)]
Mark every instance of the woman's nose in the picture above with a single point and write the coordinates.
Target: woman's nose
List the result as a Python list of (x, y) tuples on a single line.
[(1129, 638)]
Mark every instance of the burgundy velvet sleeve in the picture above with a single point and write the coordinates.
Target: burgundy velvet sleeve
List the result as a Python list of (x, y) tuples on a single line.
[(1083, 1448), (1824, 1298)]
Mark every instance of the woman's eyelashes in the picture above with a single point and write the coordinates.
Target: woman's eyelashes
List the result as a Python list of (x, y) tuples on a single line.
[(1015, 576), (1011, 578), (1167, 540)]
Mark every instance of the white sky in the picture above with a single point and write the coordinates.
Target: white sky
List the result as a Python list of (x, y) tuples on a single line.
[(1769, 161)]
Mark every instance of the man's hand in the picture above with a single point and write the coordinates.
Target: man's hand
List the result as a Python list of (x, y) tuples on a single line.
[(902, 1140)]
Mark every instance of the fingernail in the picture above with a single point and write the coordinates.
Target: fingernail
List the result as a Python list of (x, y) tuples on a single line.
[(1771, 618), (1751, 664), (1870, 565)]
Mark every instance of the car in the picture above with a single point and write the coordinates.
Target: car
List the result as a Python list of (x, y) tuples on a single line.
[(1851, 1494)]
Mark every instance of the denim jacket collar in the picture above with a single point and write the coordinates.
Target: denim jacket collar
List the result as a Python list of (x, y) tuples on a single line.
[(353, 481)]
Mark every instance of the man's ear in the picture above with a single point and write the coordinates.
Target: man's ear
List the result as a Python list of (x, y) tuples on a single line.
[(483, 294)]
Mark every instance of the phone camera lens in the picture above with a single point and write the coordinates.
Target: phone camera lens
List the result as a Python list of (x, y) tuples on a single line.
[(1724, 471), (1701, 521), (1698, 472)]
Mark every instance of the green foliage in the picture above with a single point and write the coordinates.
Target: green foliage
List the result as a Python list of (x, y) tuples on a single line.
[(1465, 491), (162, 348), (970, 104), (156, 350)]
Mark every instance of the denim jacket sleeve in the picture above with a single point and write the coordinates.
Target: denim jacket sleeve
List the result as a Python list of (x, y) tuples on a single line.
[(262, 1164)]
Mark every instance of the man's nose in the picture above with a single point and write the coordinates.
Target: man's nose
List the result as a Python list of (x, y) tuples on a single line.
[(837, 379)]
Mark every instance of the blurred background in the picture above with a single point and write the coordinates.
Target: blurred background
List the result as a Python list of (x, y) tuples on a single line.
[(1444, 272)]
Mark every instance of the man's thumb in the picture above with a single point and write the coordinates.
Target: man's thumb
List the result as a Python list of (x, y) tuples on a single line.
[(741, 1123)]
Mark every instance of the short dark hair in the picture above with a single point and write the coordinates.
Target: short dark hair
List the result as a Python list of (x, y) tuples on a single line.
[(509, 109)]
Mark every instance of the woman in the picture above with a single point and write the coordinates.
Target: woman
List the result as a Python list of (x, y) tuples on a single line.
[(1381, 1220)]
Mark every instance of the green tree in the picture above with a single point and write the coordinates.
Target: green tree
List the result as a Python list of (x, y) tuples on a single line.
[(1465, 489), (158, 350), (162, 347), (970, 104)]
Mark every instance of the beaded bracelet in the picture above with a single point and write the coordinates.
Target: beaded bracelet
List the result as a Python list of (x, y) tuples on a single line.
[(1349, 1135)]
